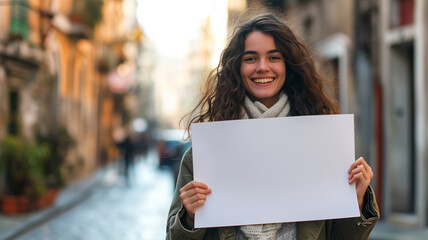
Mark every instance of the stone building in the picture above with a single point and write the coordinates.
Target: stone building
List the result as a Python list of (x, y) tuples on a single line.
[(401, 51), (56, 58), (25, 73)]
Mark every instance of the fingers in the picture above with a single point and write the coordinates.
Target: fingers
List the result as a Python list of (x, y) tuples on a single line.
[(360, 161), (193, 184), (194, 195), (359, 173)]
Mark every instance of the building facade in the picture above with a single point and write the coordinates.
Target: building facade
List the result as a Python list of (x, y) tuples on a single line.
[(56, 59), (403, 69)]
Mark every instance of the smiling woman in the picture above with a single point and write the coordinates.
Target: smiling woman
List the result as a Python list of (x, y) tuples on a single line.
[(265, 71)]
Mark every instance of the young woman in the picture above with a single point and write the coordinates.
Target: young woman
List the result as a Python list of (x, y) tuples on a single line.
[(266, 71)]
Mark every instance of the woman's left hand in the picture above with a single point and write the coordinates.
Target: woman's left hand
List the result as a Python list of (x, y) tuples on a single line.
[(360, 173)]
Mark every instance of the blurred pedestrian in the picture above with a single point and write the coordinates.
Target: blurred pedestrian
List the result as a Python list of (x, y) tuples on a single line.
[(266, 71), (127, 156)]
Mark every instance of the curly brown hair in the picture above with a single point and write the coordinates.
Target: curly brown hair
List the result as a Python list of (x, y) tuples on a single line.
[(223, 93)]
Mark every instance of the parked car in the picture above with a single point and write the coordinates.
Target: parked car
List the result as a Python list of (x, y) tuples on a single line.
[(171, 147)]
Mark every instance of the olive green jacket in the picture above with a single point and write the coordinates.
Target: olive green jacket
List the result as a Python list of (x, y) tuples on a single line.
[(348, 228)]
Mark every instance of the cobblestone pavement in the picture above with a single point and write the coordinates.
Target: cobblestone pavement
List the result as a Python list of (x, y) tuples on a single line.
[(116, 211)]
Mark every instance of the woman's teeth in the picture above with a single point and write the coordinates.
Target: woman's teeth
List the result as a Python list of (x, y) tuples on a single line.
[(263, 80)]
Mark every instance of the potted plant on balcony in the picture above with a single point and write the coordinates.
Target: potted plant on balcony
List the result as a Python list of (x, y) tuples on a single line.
[(22, 164)]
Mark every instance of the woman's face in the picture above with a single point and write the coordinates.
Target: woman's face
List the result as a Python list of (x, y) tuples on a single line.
[(262, 68)]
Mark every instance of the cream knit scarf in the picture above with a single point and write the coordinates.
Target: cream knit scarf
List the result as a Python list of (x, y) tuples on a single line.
[(258, 110)]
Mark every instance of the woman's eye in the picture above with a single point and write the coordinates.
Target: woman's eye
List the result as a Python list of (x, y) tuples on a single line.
[(275, 58), (249, 59)]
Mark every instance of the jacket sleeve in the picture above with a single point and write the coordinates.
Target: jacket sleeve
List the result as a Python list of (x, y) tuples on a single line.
[(175, 228), (360, 227)]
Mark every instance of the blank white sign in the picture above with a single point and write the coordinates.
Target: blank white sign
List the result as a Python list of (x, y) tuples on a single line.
[(275, 170)]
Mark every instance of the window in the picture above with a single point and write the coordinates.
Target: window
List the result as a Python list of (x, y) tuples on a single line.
[(13, 112), (402, 12), (19, 19)]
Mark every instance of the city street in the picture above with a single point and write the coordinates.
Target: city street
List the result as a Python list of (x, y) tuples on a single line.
[(115, 210)]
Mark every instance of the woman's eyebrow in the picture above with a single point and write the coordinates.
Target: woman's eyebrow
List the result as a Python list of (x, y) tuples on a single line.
[(254, 52), (249, 52)]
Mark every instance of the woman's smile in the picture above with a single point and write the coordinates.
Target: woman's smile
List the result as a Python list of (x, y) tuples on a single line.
[(263, 81)]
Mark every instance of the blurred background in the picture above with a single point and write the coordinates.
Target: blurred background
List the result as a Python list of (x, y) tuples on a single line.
[(92, 93)]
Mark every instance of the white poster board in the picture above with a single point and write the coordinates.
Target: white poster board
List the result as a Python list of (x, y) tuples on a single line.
[(275, 170)]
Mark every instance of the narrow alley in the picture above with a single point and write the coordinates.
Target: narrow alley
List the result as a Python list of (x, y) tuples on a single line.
[(116, 210), (86, 82)]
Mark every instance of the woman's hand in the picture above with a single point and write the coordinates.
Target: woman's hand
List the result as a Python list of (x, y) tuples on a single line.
[(360, 173), (193, 195)]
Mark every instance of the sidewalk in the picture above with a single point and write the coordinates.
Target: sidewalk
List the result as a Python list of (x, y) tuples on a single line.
[(74, 193), (389, 231)]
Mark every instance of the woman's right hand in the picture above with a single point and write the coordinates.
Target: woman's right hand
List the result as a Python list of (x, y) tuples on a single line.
[(193, 195)]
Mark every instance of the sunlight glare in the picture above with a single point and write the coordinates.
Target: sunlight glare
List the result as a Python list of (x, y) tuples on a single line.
[(171, 24)]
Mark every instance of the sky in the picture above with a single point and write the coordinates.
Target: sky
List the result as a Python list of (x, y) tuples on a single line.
[(170, 24)]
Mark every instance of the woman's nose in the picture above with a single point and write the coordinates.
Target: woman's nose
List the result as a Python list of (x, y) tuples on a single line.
[(262, 66)]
